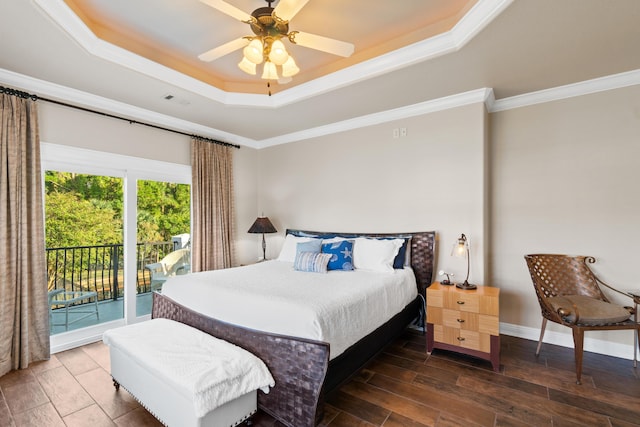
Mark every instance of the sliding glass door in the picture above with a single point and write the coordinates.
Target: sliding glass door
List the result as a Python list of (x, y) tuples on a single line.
[(116, 228)]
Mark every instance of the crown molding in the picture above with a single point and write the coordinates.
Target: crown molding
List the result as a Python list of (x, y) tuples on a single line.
[(600, 84), (478, 17), (486, 95), (84, 99), (472, 97)]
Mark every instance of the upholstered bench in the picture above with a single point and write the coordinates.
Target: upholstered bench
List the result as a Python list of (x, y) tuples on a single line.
[(184, 376)]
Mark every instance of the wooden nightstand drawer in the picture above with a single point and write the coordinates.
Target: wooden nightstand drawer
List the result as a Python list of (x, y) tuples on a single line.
[(459, 319), (466, 321)]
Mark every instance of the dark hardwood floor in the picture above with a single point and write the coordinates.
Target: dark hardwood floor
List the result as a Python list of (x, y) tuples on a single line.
[(403, 386)]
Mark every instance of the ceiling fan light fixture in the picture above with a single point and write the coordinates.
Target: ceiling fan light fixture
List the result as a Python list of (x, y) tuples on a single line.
[(290, 68), (247, 66), (254, 51), (278, 53), (270, 72)]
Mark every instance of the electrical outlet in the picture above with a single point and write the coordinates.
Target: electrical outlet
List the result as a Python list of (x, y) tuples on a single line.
[(403, 131)]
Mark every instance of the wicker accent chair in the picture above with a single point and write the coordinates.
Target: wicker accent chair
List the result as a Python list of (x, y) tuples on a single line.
[(569, 294)]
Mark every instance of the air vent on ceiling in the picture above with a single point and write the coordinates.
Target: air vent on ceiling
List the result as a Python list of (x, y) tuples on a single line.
[(176, 100)]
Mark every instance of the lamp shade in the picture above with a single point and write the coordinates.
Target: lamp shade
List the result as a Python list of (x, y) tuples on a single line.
[(270, 72), (289, 68), (278, 54), (254, 51), (262, 225), (247, 66)]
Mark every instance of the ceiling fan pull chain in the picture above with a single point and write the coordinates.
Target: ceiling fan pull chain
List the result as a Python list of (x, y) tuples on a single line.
[(269, 88)]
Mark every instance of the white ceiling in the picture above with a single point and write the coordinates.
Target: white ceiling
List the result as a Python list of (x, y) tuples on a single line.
[(514, 47)]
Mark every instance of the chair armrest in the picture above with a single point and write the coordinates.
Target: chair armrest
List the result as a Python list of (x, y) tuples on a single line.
[(53, 293), (156, 266)]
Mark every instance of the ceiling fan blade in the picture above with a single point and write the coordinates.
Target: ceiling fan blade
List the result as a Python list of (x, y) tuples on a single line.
[(223, 50), (230, 10), (287, 9), (324, 44)]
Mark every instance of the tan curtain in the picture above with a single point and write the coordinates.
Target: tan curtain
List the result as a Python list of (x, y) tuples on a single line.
[(24, 311), (213, 206)]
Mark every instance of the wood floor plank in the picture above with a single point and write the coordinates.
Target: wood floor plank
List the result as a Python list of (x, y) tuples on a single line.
[(470, 396), (360, 408), (403, 386), (515, 400), (623, 412), (347, 420), (64, 391), (451, 420), (45, 365), (437, 364), (99, 385), (99, 352), (618, 423), (401, 351), (5, 415), (21, 397), (77, 361), (90, 416), (378, 366), (397, 420), (43, 415), (137, 418), (383, 398), (433, 398)]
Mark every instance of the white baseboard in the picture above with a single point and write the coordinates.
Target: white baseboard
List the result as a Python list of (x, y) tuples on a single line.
[(623, 351)]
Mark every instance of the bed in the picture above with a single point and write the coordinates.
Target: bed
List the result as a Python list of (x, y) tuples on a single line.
[(304, 368)]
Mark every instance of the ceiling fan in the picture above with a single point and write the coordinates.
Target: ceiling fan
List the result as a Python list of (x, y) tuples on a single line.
[(271, 25)]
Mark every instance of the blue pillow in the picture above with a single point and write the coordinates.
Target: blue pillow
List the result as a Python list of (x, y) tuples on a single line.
[(399, 260), (315, 262), (314, 245), (341, 254)]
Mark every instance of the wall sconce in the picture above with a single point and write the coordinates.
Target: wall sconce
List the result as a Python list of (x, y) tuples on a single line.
[(262, 225), (461, 249)]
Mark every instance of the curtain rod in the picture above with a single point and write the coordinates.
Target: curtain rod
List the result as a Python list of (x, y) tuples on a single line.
[(25, 95)]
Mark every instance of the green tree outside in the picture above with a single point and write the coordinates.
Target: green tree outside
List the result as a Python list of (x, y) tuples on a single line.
[(87, 210)]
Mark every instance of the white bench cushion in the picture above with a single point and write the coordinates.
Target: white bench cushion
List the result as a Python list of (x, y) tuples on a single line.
[(202, 368)]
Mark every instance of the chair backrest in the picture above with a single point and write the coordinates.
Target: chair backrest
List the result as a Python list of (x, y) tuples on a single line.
[(175, 260), (558, 275)]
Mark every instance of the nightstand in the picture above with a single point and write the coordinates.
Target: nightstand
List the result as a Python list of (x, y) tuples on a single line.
[(464, 321)]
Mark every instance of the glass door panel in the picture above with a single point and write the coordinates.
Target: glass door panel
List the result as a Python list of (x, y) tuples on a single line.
[(84, 245), (163, 237)]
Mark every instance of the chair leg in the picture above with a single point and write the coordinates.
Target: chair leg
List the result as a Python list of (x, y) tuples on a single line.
[(578, 343), (544, 325), (636, 347)]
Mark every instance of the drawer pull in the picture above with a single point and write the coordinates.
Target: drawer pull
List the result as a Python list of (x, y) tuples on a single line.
[(460, 339), (460, 320), (460, 302)]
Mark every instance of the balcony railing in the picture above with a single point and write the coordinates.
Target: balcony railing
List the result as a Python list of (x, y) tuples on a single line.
[(100, 268)]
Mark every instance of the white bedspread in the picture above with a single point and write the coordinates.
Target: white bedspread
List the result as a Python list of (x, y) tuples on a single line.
[(339, 307), (203, 368)]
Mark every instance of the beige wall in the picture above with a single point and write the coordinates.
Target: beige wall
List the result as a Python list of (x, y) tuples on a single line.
[(65, 126), (365, 180), (556, 177), (565, 180)]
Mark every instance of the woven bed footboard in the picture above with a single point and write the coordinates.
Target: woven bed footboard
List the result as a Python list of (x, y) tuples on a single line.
[(298, 365)]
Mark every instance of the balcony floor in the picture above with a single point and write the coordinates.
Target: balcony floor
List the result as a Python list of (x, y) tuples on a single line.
[(108, 310)]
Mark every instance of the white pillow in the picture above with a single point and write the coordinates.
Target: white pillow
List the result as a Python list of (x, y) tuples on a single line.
[(375, 254), (288, 251)]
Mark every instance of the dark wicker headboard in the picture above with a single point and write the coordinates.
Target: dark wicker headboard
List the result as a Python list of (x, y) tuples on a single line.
[(422, 251)]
